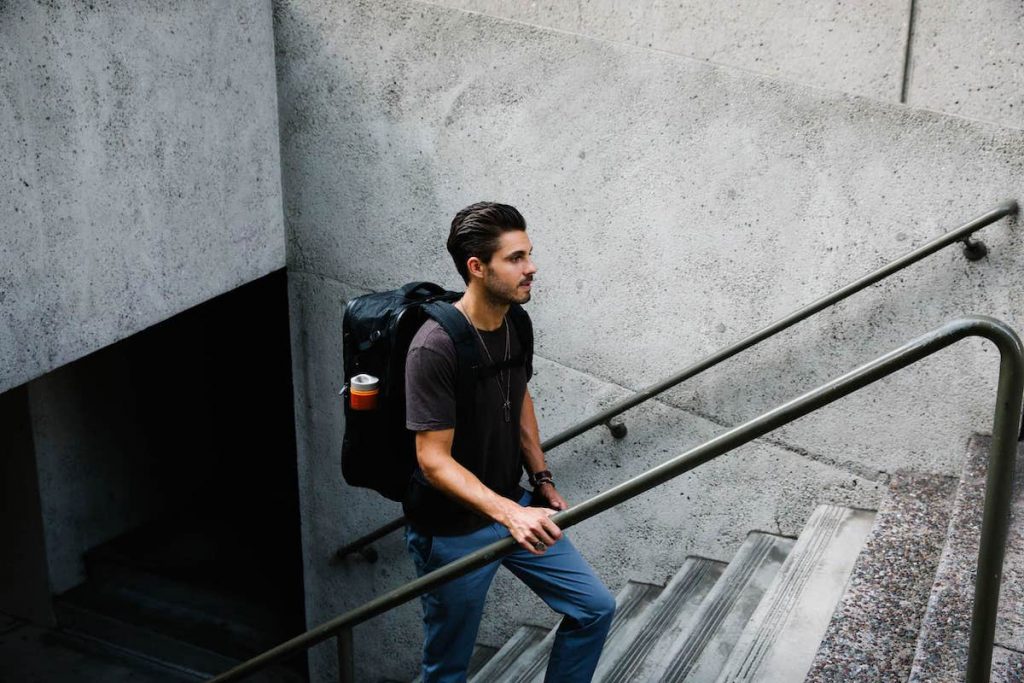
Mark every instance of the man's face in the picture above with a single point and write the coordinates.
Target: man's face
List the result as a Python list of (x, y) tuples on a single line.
[(508, 277)]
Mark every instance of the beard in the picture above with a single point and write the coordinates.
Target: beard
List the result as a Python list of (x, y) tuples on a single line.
[(502, 294)]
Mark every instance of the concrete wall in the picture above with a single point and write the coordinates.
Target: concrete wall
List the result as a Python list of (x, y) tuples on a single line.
[(968, 59), (675, 206), (857, 48), (964, 58), (141, 168)]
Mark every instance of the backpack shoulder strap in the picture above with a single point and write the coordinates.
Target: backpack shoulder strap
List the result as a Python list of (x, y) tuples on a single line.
[(457, 327), (467, 350)]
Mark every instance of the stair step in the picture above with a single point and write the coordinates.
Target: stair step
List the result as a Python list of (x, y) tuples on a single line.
[(31, 654), (131, 642), (214, 621), (136, 641), (630, 603), (481, 655), (699, 652), (624, 654), (780, 640), (520, 648), (874, 630), (684, 645), (941, 653)]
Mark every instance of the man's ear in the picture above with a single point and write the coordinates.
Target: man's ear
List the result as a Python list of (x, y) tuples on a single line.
[(475, 266)]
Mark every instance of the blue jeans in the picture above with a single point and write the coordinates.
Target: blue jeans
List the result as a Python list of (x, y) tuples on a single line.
[(560, 577)]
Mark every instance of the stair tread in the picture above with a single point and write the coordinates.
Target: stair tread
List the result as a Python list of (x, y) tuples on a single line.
[(516, 652), (32, 653), (214, 621), (630, 603), (134, 642), (481, 655), (691, 647), (873, 632), (671, 609), (782, 635), (127, 637), (941, 653)]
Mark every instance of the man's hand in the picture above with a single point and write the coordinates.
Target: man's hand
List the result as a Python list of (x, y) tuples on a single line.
[(547, 493), (531, 527)]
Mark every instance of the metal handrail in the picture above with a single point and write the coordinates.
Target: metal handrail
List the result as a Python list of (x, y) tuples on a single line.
[(972, 249), (1006, 422)]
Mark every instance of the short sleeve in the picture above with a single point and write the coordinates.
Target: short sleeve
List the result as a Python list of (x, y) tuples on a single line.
[(430, 383)]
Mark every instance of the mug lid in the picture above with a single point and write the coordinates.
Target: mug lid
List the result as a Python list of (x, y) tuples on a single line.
[(364, 381)]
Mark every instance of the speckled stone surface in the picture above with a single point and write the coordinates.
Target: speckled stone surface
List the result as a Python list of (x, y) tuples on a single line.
[(873, 633), (1007, 666), (942, 646)]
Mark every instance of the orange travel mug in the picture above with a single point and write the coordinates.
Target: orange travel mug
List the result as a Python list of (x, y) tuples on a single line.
[(363, 391)]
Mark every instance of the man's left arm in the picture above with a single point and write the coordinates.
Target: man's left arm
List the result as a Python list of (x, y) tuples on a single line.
[(529, 439)]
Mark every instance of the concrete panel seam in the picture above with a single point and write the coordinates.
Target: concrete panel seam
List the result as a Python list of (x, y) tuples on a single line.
[(908, 54), (776, 78)]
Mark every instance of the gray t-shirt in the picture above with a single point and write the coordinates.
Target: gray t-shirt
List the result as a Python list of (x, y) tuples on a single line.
[(430, 381)]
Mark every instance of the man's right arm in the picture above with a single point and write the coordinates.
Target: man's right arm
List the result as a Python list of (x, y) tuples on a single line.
[(527, 525)]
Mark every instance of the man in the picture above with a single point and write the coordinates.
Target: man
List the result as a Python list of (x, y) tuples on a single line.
[(466, 493)]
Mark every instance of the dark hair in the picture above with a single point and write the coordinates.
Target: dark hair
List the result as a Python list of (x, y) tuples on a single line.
[(476, 231)]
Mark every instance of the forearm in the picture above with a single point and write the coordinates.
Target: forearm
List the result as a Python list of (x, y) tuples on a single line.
[(455, 481)]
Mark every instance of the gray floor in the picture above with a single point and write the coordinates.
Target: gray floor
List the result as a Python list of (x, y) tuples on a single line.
[(29, 654)]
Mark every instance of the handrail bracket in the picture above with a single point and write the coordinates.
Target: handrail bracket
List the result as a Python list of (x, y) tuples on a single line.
[(974, 249)]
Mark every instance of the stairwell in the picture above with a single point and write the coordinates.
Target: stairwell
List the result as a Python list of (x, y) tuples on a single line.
[(425, 105), (186, 600), (860, 596)]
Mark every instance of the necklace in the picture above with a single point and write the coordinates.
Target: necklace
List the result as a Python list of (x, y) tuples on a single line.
[(506, 404)]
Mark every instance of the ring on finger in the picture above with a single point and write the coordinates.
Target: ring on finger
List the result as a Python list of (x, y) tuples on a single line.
[(539, 545)]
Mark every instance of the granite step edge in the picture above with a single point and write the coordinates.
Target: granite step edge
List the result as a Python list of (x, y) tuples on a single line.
[(941, 652), (873, 632)]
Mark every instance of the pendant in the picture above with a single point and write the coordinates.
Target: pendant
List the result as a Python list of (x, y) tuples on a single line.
[(508, 411)]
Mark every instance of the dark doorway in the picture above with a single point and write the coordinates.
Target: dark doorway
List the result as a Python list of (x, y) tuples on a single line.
[(218, 567)]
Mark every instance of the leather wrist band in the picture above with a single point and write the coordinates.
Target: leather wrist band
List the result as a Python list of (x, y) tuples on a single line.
[(542, 477)]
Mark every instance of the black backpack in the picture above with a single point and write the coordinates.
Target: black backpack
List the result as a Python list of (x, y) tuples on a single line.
[(378, 452)]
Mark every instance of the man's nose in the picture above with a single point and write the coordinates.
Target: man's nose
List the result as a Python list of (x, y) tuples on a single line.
[(531, 266)]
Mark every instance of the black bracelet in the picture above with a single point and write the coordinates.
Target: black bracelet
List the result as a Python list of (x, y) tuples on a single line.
[(542, 477)]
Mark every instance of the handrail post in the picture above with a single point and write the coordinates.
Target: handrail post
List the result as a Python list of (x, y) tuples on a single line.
[(996, 521), (346, 656)]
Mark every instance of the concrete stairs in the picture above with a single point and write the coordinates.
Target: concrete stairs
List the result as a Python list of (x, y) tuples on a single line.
[(858, 597), (160, 617), (690, 628)]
